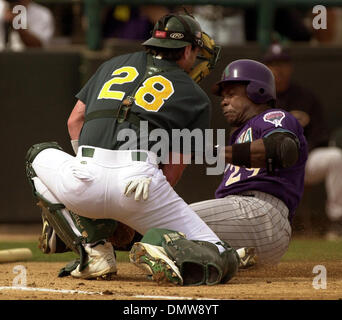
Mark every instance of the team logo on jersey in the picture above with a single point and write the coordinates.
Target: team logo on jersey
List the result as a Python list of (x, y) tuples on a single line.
[(245, 136), (275, 117)]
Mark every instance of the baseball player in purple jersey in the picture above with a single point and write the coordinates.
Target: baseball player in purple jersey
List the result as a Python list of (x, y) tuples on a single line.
[(264, 176)]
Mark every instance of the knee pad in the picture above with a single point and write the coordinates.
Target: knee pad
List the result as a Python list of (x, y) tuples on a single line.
[(31, 155), (36, 148), (34, 151), (91, 230)]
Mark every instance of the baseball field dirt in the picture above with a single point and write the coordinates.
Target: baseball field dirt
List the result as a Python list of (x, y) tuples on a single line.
[(311, 270), (288, 280)]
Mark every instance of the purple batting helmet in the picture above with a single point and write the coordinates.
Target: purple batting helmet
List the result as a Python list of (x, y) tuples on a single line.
[(258, 77)]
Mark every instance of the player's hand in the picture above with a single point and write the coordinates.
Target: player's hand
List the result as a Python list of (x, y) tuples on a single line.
[(140, 187)]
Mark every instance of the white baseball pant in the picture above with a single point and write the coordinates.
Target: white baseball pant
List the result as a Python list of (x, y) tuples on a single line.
[(325, 165), (94, 187)]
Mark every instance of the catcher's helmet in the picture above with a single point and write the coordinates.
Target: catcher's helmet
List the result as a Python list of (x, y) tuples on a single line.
[(258, 77), (176, 31)]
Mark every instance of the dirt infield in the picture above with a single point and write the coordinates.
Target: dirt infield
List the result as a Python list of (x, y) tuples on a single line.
[(288, 280)]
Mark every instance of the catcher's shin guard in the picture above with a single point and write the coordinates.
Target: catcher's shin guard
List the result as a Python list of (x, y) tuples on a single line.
[(72, 229), (52, 212), (64, 223), (49, 241), (58, 234)]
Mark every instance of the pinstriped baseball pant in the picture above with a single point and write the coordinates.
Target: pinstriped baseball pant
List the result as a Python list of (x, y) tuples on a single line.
[(251, 219)]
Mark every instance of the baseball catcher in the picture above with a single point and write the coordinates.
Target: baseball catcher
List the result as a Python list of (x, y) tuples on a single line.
[(117, 179)]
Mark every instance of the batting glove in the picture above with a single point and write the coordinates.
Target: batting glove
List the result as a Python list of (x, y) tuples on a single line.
[(140, 187)]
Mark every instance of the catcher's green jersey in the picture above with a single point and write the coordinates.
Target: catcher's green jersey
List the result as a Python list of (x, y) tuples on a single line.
[(169, 100)]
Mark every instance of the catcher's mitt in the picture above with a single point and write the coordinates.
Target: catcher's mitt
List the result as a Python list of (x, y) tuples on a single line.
[(210, 54), (122, 236), (200, 262)]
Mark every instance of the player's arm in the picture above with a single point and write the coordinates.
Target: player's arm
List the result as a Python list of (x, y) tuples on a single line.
[(276, 150), (75, 123), (174, 171)]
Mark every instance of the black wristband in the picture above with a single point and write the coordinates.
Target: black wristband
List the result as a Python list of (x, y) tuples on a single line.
[(241, 154)]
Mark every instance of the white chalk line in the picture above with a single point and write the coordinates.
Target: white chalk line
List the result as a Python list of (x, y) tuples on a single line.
[(171, 297), (50, 290), (66, 291)]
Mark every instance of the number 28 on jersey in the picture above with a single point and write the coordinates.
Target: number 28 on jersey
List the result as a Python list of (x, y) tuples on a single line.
[(151, 96)]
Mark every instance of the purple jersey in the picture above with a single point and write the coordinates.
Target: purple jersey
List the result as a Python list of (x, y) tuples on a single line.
[(285, 184)]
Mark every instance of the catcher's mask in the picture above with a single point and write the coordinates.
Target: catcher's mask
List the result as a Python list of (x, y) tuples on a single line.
[(180, 30), (208, 57)]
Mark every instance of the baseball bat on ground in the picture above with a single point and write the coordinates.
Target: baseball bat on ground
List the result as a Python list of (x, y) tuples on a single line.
[(18, 254)]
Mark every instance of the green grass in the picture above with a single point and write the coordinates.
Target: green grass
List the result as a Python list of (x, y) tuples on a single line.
[(121, 256), (299, 250), (313, 249)]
